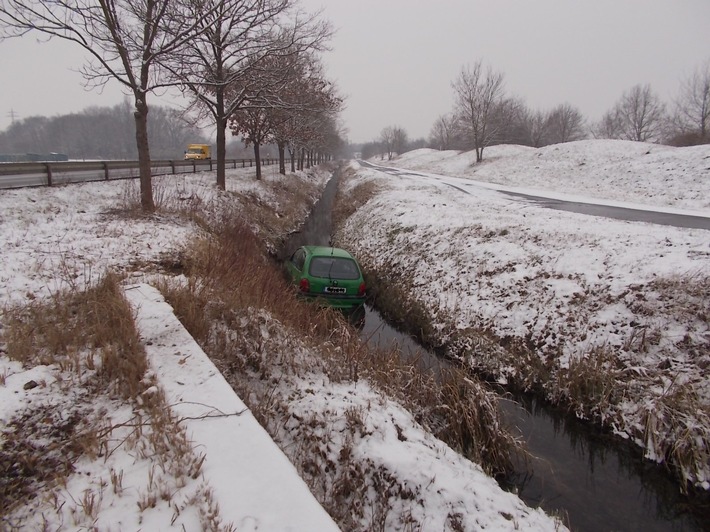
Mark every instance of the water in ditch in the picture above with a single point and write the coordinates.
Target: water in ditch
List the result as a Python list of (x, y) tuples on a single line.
[(575, 471)]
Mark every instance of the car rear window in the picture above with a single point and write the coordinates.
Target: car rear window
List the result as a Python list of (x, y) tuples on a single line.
[(334, 268)]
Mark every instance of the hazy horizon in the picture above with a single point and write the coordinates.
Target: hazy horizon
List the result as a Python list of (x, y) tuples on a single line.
[(394, 60)]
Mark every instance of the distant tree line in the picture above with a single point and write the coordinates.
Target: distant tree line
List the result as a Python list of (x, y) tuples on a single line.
[(485, 115), (102, 133)]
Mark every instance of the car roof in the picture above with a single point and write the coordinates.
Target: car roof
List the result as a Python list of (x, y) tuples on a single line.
[(325, 251)]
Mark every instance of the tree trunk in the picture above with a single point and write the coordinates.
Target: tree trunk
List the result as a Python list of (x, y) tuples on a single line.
[(282, 157), (221, 123), (258, 161), (221, 153), (141, 117), (292, 156)]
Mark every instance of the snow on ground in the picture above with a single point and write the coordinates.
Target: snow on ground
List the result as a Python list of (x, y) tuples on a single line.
[(250, 478), (69, 236), (564, 285), (614, 170)]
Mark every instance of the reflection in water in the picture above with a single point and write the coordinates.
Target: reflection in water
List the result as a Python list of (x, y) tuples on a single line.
[(377, 333), (600, 485)]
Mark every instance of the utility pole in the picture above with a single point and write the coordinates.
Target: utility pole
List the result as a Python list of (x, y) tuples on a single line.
[(12, 116)]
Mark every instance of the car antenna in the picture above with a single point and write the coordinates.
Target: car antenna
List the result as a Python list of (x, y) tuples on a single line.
[(330, 268)]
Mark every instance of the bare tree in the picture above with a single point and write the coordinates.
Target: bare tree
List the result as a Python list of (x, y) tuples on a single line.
[(609, 127), (399, 140), (639, 116), (126, 41), (477, 93), (100, 133), (227, 68), (564, 123), (535, 125), (329, 140), (506, 121), (169, 133), (643, 114), (304, 115), (371, 149), (387, 141), (299, 114), (443, 132), (692, 107), (255, 126), (393, 140), (28, 134)]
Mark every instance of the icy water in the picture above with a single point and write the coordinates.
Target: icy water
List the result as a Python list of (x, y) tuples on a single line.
[(575, 471)]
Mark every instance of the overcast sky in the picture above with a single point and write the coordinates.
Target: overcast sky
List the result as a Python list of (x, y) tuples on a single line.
[(394, 60)]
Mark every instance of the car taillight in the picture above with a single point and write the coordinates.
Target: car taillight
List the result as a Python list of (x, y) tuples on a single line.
[(305, 285), (361, 290)]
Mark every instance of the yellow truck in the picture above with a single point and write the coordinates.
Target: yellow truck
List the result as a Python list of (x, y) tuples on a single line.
[(198, 152)]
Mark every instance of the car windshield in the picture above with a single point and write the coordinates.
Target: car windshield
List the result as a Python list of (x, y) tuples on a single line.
[(334, 268)]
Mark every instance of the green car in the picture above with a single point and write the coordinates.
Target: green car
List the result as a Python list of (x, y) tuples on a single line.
[(330, 275)]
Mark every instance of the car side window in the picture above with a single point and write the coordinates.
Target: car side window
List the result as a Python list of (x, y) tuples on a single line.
[(298, 259)]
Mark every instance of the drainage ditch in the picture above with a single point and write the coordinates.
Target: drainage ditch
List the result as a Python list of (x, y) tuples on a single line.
[(590, 479)]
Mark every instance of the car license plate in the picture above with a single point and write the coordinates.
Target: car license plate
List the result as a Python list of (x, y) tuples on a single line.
[(334, 290)]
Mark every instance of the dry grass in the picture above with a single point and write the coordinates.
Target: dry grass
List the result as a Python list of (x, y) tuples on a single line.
[(290, 201), (622, 386), (592, 384), (673, 426), (237, 304), (229, 274), (79, 332), (90, 340), (672, 421), (86, 334), (239, 307), (678, 413), (466, 415), (171, 195), (399, 308)]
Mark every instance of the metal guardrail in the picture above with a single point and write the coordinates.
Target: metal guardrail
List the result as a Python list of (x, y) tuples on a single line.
[(15, 175)]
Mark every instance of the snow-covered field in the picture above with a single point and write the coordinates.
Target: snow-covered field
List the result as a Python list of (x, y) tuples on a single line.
[(617, 171), (52, 239), (622, 304), (609, 316)]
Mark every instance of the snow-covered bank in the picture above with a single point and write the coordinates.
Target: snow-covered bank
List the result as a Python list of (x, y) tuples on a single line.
[(609, 316), (613, 170), (69, 237)]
